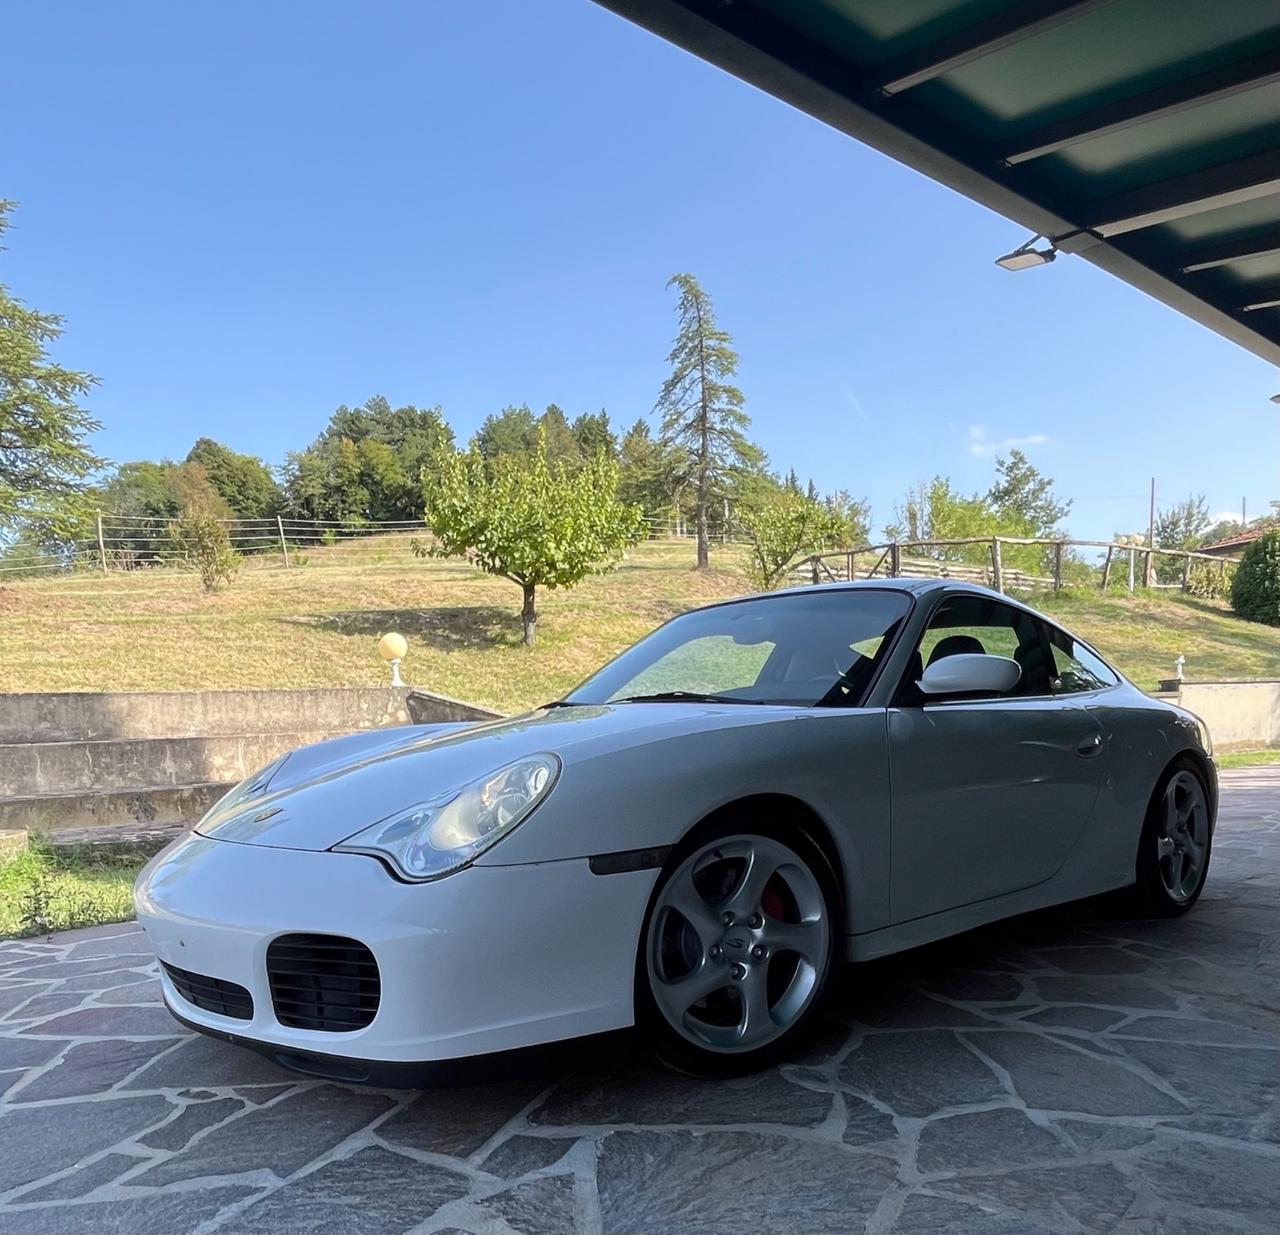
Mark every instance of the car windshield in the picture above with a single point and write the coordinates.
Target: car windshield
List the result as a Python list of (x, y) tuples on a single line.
[(798, 648)]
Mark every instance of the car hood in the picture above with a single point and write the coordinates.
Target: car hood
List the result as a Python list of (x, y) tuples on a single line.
[(317, 796)]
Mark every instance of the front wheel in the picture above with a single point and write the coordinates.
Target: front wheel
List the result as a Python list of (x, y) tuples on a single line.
[(738, 951), (1177, 838)]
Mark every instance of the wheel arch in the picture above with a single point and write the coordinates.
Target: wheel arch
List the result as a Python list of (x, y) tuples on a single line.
[(775, 807)]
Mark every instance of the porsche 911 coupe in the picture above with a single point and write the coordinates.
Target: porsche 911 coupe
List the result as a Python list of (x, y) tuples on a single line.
[(692, 841)]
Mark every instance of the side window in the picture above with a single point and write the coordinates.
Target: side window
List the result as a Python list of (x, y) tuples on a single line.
[(1075, 668), (980, 624)]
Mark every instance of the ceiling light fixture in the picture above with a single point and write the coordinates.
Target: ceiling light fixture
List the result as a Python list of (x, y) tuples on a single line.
[(1027, 255)]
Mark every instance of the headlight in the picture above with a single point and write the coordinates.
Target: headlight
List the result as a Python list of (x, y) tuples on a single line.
[(1206, 738), (452, 829)]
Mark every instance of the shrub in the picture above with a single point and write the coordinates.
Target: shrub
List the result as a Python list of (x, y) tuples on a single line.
[(204, 540), (1209, 581), (1255, 590)]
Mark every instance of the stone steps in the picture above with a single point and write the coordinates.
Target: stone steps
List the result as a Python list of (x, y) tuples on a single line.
[(138, 805), (30, 769), (143, 764)]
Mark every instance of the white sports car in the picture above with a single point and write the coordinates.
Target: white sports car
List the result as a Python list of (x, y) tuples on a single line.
[(691, 841)]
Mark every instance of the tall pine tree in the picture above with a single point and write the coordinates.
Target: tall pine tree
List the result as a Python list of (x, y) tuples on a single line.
[(701, 409)]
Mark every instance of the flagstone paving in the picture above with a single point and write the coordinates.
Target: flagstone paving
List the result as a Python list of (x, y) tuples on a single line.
[(1070, 1071)]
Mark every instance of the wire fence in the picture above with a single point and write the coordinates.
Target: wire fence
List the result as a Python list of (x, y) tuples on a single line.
[(119, 543), (1037, 564)]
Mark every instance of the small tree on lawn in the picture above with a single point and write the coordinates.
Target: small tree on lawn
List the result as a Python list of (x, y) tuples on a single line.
[(1255, 590), (780, 526), (518, 517), (202, 536)]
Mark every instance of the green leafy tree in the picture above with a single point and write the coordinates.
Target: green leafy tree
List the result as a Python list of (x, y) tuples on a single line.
[(519, 517), (1181, 526), (202, 537), (560, 440), (512, 431), (781, 527), (1022, 496), (244, 482), (367, 463), (594, 436), (851, 516), (701, 410), (1255, 590), (45, 461)]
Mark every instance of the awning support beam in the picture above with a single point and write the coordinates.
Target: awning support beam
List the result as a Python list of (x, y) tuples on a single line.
[(1227, 184), (1264, 244), (1208, 87), (981, 39)]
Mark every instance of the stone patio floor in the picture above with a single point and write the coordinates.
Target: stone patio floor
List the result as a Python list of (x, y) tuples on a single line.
[(1069, 1071)]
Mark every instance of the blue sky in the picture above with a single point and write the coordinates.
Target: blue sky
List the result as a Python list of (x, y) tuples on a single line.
[(250, 213)]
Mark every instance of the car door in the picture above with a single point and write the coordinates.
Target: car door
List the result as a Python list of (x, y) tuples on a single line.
[(988, 795)]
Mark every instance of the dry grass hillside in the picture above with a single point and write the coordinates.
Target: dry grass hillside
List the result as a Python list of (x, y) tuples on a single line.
[(318, 625)]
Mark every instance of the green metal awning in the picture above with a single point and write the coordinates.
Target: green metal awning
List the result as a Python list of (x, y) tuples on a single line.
[(1143, 135)]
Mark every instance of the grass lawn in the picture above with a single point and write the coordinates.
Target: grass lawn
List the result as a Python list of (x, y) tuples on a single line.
[(318, 625), (1247, 758), (42, 892)]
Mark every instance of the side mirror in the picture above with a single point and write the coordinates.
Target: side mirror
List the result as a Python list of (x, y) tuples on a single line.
[(971, 673)]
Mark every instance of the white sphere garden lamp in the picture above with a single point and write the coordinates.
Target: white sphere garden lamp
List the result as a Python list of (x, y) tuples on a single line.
[(393, 648)]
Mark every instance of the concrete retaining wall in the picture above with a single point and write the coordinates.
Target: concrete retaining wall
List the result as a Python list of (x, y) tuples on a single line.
[(77, 717), (81, 760), (1240, 715)]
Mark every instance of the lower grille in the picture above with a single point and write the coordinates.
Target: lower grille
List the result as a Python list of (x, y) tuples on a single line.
[(211, 994), (323, 982)]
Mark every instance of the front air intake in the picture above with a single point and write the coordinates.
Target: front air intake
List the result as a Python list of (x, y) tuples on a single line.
[(211, 994), (323, 982)]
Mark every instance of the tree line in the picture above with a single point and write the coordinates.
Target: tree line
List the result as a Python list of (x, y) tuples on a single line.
[(537, 497)]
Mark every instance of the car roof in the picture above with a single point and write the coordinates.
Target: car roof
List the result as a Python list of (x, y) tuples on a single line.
[(913, 586)]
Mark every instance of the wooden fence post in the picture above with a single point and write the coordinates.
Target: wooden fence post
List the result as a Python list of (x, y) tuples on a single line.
[(1148, 572), (1057, 566), (284, 544), (1186, 573), (1133, 562), (997, 571), (813, 563), (895, 560), (849, 565), (1106, 567), (102, 547)]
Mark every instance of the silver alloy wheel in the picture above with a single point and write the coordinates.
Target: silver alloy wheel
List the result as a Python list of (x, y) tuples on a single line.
[(738, 942), (1183, 837)]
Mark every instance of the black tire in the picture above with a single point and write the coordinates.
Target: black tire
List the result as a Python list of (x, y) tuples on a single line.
[(672, 1046), (1151, 895)]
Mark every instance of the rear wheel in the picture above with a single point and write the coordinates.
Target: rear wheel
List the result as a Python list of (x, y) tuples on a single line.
[(738, 950), (1177, 838)]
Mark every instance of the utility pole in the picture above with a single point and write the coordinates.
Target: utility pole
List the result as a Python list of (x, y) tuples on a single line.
[(1151, 535)]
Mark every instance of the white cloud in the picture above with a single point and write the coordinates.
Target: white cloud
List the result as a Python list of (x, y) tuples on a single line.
[(980, 444), (1226, 516)]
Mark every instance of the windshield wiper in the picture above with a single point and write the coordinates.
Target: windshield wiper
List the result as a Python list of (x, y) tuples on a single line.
[(681, 696)]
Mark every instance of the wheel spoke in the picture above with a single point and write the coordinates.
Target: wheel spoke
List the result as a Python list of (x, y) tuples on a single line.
[(687, 901), (681, 995), (1164, 847), (745, 898), (803, 938), (757, 1022)]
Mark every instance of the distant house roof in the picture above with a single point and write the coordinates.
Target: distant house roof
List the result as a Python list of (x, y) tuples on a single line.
[(1233, 543)]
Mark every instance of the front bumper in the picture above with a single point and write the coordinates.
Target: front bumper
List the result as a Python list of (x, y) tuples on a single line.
[(491, 958)]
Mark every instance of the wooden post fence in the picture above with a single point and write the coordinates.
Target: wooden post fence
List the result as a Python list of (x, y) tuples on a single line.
[(1106, 568), (1186, 573), (284, 544), (102, 547), (895, 559), (997, 570), (1057, 566)]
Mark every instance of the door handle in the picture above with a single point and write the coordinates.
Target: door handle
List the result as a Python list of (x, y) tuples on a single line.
[(1089, 746)]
